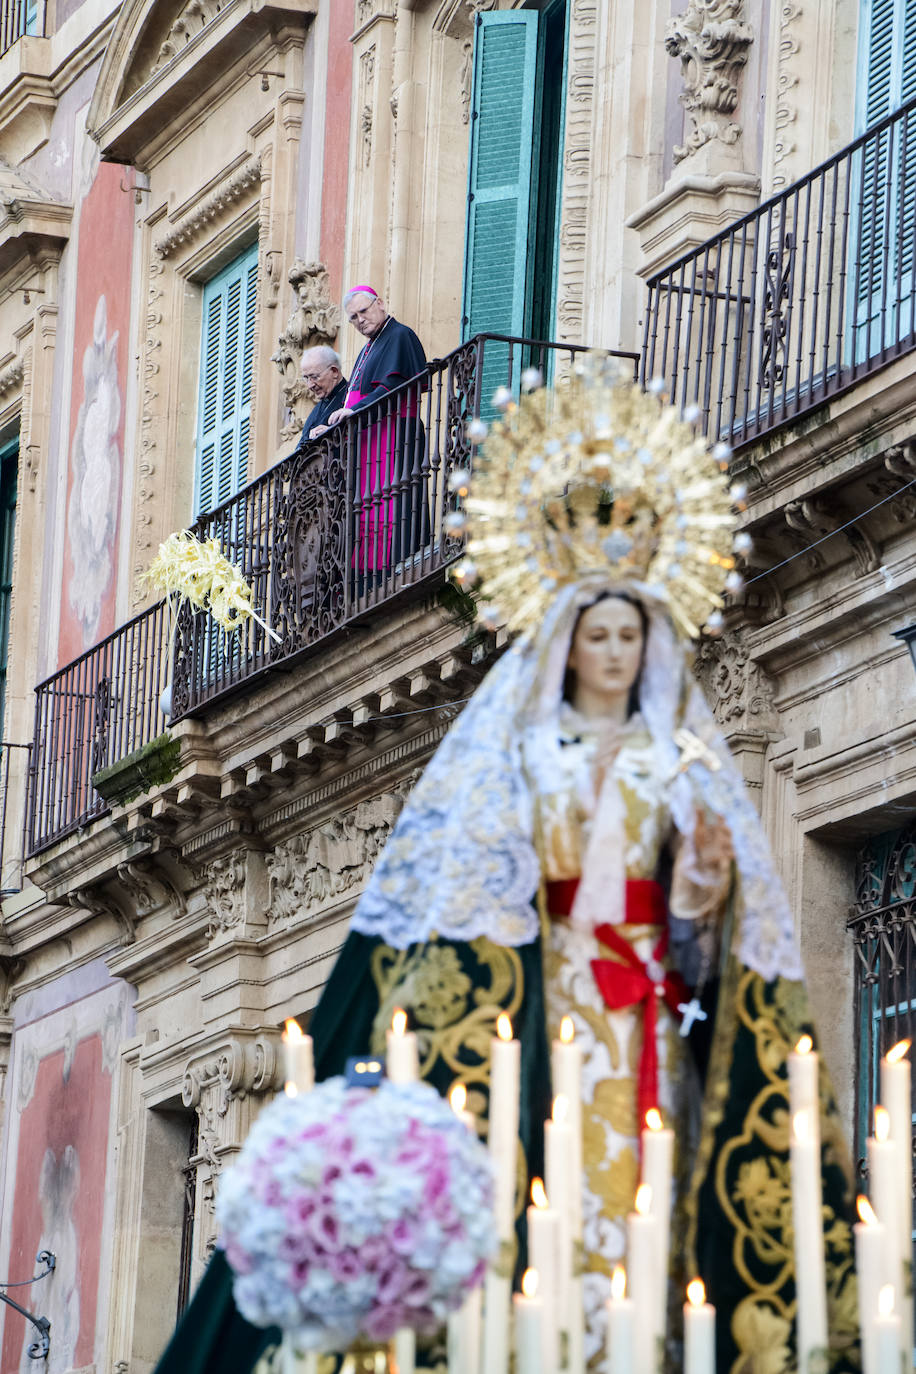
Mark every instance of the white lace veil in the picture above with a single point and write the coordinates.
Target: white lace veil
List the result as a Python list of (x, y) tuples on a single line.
[(461, 861)]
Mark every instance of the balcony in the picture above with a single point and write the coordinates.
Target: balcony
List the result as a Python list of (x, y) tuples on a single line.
[(798, 301), (327, 538)]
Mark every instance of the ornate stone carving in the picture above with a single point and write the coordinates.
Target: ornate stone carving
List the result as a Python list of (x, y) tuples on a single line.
[(787, 79), (900, 467), (711, 39), (739, 692), (366, 83), (10, 968), (577, 170), (821, 516), (211, 207), (310, 870), (99, 904), (193, 17), (149, 888), (147, 458), (233, 1069), (11, 375), (315, 320), (224, 891)]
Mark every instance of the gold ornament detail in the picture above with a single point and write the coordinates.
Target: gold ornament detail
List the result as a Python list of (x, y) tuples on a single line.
[(597, 476)]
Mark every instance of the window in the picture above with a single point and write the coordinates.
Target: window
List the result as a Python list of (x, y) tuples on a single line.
[(884, 184), (517, 109), (883, 928), (224, 401), (9, 471)]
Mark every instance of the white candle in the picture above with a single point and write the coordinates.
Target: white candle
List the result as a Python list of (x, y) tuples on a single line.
[(457, 1100), (642, 1269), (882, 1188), (299, 1069), (657, 1159), (869, 1236), (402, 1059), (566, 1073), (557, 1149), (896, 1098), (543, 1254), (699, 1331), (505, 1067), (803, 1075), (887, 1334), (463, 1333), (529, 1326), (463, 1336), (405, 1350), (808, 1224), (620, 1317)]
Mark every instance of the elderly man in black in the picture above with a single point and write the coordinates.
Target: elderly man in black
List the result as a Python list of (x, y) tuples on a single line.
[(322, 374), (391, 520)]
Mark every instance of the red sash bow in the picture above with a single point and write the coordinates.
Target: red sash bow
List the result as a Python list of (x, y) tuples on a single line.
[(626, 984)]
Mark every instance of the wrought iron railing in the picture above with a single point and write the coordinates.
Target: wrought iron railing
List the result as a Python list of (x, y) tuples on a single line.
[(798, 300), (18, 17), (325, 537)]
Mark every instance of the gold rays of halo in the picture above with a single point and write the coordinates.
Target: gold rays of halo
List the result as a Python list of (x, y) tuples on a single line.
[(596, 475)]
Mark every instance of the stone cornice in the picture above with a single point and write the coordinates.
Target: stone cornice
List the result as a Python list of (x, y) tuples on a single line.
[(203, 44), (198, 220)]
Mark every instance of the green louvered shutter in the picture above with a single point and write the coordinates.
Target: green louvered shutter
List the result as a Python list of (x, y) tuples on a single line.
[(224, 403), (499, 183), (885, 178)]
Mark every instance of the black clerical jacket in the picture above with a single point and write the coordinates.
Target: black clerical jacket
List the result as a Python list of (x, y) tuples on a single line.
[(392, 357), (320, 413)]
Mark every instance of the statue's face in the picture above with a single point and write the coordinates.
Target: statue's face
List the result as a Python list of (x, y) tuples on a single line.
[(606, 653)]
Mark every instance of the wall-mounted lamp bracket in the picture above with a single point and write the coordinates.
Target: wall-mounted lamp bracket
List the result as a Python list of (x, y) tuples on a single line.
[(38, 1350)]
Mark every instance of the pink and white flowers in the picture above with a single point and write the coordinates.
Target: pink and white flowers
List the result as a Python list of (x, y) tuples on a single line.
[(354, 1212)]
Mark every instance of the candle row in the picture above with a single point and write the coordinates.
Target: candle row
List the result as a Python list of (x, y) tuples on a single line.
[(883, 1234)]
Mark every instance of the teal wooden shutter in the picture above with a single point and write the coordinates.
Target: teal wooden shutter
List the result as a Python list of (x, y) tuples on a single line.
[(499, 182), (885, 177), (9, 474), (224, 402)]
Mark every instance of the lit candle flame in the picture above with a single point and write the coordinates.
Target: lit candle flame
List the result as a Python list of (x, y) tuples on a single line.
[(293, 1032), (644, 1199), (399, 1021), (866, 1211), (898, 1051), (503, 1026), (696, 1292), (560, 1107), (805, 1045), (619, 1283), (882, 1124), (530, 1283), (886, 1300), (458, 1097), (801, 1127), (290, 1089), (654, 1119), (567, 1030), (538, 1192)]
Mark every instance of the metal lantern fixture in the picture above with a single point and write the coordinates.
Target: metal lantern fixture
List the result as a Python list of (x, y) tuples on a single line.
[(908, 637)]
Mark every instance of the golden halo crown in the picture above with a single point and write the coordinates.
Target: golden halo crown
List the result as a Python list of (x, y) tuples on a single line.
[(596, 476)]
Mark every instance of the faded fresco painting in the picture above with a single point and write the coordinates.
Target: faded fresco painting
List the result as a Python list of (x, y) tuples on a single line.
[(100, 342), (60, 1119)]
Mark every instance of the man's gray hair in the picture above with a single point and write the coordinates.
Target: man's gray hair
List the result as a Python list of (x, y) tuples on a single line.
[(323, 354), (360, 291)]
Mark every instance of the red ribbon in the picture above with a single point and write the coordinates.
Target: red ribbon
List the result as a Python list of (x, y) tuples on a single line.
[(628, 983)]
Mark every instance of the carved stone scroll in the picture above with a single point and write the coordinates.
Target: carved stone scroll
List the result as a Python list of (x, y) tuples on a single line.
[(211, 207), (315, 320), (711, 39)]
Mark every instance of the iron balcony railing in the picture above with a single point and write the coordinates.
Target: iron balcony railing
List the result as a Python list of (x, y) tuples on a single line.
[(798, 300), (18, 17), (326, 536)]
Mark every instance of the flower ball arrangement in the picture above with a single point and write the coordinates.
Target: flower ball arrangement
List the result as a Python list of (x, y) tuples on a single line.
[(351, 1212)]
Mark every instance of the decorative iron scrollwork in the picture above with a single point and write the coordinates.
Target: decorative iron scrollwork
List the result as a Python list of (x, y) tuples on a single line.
[(779, 264)]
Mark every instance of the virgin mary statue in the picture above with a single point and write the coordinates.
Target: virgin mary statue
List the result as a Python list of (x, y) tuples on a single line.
[(582, 847)]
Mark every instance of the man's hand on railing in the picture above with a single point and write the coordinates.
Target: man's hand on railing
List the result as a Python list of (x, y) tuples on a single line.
[(338, 415)]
